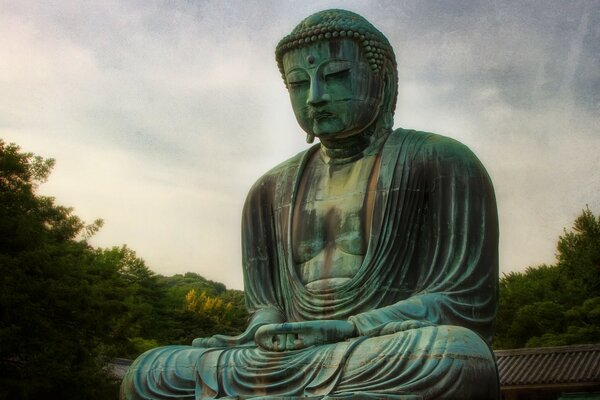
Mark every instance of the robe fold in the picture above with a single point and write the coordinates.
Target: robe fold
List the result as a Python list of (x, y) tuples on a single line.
[(432, 256)]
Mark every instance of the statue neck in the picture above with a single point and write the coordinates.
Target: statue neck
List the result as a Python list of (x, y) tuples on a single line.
[(345, 150)]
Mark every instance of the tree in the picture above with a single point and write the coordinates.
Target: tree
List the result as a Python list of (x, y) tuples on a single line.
[(66, 307), (210, 309), (579, 257), (559, 304), (138, 326), (57, 301)]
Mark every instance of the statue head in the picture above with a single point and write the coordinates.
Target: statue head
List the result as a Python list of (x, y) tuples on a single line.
[(341, 74)]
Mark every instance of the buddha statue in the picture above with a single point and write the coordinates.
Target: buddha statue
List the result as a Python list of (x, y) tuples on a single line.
[(370, 260)]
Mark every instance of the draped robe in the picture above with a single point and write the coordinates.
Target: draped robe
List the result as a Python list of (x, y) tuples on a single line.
[(432, 256)]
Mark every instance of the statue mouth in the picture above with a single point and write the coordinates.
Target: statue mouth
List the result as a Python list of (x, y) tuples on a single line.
[(320, 115)]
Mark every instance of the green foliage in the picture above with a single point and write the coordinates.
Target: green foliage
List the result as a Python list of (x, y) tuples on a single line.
[(140, 300), (180, 324), (140, 345), (579, 257), (558, 304), (67, 308), (217, 310), (57, 303), (156, 308)]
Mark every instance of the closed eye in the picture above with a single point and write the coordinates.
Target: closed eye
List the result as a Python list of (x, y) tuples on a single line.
[(337, 69), (297, 83), (297, 78), (341, 74)]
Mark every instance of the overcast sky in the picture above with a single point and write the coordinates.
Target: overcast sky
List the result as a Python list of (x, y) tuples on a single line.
[(161, 114)]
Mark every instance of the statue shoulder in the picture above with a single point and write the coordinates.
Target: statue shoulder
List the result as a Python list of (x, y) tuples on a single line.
[(265, 185), (428, 145), (284, 168)]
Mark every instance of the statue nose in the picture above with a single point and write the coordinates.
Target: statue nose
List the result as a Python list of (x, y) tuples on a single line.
[(316, 95)]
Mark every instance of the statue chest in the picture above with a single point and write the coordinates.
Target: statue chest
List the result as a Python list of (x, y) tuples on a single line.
[(331, 220)]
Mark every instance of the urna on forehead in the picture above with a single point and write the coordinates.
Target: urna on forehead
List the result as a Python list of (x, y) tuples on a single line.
[(332, 24)]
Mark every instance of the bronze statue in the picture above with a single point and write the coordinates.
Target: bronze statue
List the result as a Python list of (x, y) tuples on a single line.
[(370, 260)]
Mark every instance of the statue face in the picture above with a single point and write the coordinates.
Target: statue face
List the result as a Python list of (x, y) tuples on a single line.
[(333, 91)]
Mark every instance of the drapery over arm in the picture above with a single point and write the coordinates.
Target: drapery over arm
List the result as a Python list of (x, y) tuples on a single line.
[(261, 276), (454, 266)]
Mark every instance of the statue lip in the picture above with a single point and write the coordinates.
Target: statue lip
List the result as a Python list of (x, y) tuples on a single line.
[(319, 115)]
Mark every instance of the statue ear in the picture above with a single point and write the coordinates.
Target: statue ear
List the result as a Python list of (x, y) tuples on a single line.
[(389, 96)]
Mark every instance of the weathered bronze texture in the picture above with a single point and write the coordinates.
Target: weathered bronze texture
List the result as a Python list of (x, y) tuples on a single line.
[(370, 260)]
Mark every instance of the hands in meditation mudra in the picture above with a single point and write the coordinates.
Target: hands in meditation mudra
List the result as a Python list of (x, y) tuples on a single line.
[(370, 260)]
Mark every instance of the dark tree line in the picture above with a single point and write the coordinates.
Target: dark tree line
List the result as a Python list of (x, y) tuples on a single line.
[(158, 308), (66, 308), (559, 304)]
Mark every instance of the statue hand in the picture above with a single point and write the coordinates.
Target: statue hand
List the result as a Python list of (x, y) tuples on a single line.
[(299, 335), (227, 341), (401, 326)]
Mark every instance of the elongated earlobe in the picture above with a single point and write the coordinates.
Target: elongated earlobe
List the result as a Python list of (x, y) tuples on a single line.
[(388, 121), (390, 96), (310, 138)]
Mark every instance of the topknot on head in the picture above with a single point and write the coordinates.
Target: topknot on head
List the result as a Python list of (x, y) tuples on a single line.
[(333, 24)]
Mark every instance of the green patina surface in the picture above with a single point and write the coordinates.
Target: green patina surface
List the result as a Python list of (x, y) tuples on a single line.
[(370, 259)]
